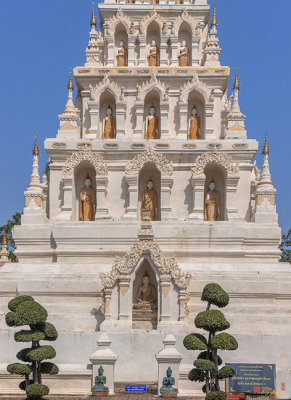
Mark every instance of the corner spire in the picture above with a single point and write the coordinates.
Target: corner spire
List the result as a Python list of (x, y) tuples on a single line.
[(236, 82), (214, 19), (266, 147), (93, 22), (35, 151), (70, 82)]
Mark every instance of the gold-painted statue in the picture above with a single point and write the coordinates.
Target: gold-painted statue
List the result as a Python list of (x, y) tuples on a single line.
[(194, 125), (152, 125), (211, 203), (183, 54), (153, 54), (121, 55), (109, 125), (150, 202), (87, 201), (146, 295)]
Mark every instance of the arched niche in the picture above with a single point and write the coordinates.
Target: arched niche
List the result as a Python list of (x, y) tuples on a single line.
[(106, 99), (218, 174), (196, 99), (153, 33), (140, 318), (81, 172), (120, 34), (152, 99), (185, 33), (149, 172)]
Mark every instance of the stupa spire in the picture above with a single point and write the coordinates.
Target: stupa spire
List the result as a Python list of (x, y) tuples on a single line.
[(212, 50), (96, 42), (93, 22), (265, 178), (4, 252), (69, 119), (214, 19), (70, 102), (235, 105)]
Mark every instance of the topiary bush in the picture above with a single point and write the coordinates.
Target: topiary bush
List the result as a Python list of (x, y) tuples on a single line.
[(25, 311), (213, 321)]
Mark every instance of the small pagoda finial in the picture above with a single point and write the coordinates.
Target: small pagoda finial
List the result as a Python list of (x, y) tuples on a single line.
[(214, 20), (236, 83), (266, 147), (70, 83), (93, 18), (35, 151), (4, 240)]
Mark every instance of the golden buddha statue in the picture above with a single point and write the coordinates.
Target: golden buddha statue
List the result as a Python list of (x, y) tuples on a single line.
[(153, 54), (183, 54), (194, 125), (109, 125), (121, 55), (152, 125), (150, 202), (87, 201), (146, 295), (211, 203)]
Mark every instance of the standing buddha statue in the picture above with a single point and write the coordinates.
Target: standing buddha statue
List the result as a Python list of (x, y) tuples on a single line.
[(183, 55), (152, 125), (109, 125), (87, 201), (153, 54), (211, 203), (194, 125), (121, 55)]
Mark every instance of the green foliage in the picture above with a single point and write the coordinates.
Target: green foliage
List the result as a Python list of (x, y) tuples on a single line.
[(14, 303), (42, 353), (29, 336), (225, 372), (36, 390), (204, 365), (211, 321), (49, 331), (49, 368), (19, 369), (22, 355), (196, 375), (30, 313), (203, 356), (22, 385), (218, 395), (10, 318), (286, 247), (214, 294), (8, 227), (224, 341), (195, 341)]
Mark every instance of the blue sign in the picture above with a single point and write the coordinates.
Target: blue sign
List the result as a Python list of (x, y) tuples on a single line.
[(136, 388), (252, 378)]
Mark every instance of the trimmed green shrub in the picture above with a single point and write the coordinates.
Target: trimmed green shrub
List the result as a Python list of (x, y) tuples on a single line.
[(203, 356), (216, 395), (22, 385), (225, 372), (196, 375), (224, 341), (10, 319), (37, 390), (14, 303), (49, 331), (22, 355), (42, 353), (212, 321), (194, 341), (30, 313), (29, 336), (49, 368), (204, 365), (19, 369), (214, 294)]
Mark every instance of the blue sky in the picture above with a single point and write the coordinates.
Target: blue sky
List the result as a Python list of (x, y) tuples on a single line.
[(42, 40)]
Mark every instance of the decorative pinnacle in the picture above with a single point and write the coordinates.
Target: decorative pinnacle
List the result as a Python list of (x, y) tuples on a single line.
[(93, 18), (70, 83), (4, 239), (266, 147), (236, 83), (214, 20), (35, 151)]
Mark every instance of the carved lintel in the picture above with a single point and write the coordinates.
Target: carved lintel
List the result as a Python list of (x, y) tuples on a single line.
[(215, 158), (161, 162), (85, 155)]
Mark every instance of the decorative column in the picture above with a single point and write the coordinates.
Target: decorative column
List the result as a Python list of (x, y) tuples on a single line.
[(231, 188), (131, 210), (169, 357), (198, 187), (195, 50), (138, 130), (183, 116), (120, 117), (164, 110), (110, 50), (131, 47), (165, 302), (104, 356), (163, 51), (174, 45), (66, 208), (124, 320), (209, 121), (107, 323), (166, 188), (94, 118), (182, 305), (142, 49), (101, 192)]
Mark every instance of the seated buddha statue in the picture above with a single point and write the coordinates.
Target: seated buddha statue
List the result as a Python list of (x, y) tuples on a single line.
[(168, 383), (146, 295)]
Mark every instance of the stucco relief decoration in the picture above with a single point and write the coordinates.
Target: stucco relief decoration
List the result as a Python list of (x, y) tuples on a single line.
[(152, 84), (119, 17), (198, 86), (153, 16), (161, 162), (85, 154), (105, 84), (215, 158), (185, 17)]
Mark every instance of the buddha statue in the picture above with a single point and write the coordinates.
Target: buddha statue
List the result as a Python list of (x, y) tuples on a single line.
[(194, 125), (146, 295), (152, 124), (109, 125), (150, 202), (211, 203), (168, 383), (153, 54), (183, 55), (100, 380), (154, 1), (121, 54), (87, 201)]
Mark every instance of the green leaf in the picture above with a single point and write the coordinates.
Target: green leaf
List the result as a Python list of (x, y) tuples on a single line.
[(204, 365), (42, 353), (10, 319), (286, 247), (29, 336), (218, 395), (30, 313), (224, 341), (214, 294), (211, 321), (49, 368), (195, 341), (14, 303), (19, 369), (36, 390), (225, 372), (8, 227), (196, 375)]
